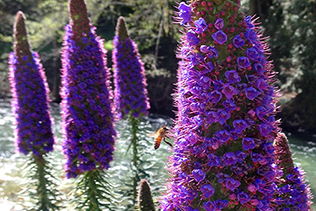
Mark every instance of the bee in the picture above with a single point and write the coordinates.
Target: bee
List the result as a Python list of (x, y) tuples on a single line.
[(161, 134)]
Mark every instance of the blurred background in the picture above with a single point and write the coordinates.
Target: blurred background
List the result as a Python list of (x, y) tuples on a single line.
[(290, 25)]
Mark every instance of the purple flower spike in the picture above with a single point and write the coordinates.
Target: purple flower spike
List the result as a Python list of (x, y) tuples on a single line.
[(185, 13), (238, 41), (200, 25), (33, 132), (87, 113), (226, 110), (130, 92), (220, 37), (192, 38), (251, 93), (243, 62), (219, 24)]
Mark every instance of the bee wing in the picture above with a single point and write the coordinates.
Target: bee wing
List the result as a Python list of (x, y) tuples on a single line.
[(152, 134), (157, 142)]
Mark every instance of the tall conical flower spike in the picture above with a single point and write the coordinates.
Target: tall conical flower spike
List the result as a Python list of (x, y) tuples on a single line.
[(145, 200), (33, 132), (130, 94), (86, 109), (30, 95), (223, 154), (292, 192)]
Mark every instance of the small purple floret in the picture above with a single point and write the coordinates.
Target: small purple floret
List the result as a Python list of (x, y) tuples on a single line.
[(219, 24), (220, 37), (200, 25)]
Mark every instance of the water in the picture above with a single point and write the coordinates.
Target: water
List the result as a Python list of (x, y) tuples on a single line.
[(12, 179)]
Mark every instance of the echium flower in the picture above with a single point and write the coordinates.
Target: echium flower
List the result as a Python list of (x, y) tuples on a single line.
[(86, 108), (223, 154), (130, 94), (30, 106), (292, 192)]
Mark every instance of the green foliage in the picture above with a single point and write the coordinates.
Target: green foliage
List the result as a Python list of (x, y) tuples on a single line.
[(42, 184), (93, 191)]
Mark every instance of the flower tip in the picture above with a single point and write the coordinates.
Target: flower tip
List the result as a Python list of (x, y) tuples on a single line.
[(79, 14), (121, 30), (19, 24)]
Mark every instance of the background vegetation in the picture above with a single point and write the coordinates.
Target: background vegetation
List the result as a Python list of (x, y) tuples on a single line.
[(289, 23)]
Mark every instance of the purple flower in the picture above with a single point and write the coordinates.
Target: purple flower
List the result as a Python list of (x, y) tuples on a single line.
[(232, 76), (222, 116), (219, 24), (192, 38), (240, 125), (200, 25), (238, 41), (214, 160), (215, 96), (265, 129), (209, 206), (252, 54), (229, 105), (259, 68), (251, 93), (248, 22), (248, 143), (229, 91), (232, 184), (243, 197), (251, 35), (220, 37), (204, 49), (223, 135), (185, 13), (229, 158), (198, 174), (221, 204), (210, 66), (243, 62), (212, 52), (207, 190)]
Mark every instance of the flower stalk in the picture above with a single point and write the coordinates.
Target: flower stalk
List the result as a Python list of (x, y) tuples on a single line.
[(87, 113), (30, 105), (130, 94)]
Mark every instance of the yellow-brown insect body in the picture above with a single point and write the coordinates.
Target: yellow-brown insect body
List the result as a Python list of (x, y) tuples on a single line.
[(160, 134)]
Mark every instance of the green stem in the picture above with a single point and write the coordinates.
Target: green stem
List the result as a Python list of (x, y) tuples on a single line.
[(134, 123), (42, 183)]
